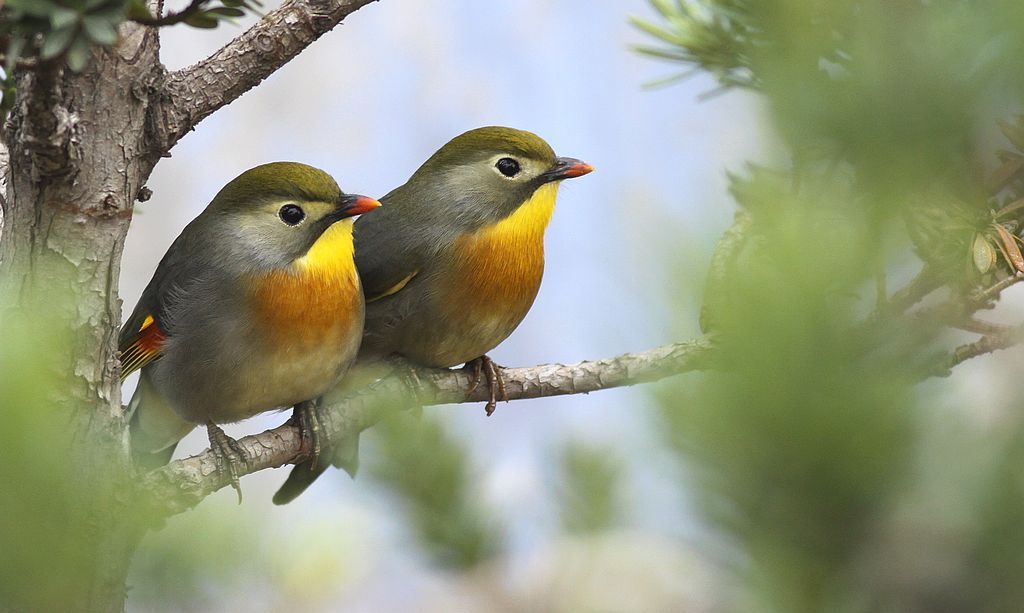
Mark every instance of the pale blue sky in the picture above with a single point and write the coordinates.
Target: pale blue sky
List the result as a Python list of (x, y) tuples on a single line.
[(378, 95)]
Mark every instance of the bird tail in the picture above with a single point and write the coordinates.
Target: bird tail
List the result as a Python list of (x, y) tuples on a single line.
[(154, 427), (344, 455)]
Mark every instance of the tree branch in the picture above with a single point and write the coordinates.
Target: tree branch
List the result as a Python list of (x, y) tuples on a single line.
[(985, 345), (192, 94), (182, 484)]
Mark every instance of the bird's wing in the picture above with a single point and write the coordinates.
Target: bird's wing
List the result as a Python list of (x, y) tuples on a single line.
[(145, 332), (142, 347), (389, 253)]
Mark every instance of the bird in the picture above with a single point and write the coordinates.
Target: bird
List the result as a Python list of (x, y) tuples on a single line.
[(453, 261), (256, 306)]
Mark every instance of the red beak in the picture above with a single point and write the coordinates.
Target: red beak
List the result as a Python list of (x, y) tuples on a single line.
[(354, 204), (567, 168)]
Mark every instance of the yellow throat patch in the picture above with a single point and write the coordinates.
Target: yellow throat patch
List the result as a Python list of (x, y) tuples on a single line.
[(530, 219), (331, 253), (317, 298), (500, 266)]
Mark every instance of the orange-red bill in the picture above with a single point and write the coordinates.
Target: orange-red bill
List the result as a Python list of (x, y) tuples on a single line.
[(357, 205), (577, 170), (568, 168)]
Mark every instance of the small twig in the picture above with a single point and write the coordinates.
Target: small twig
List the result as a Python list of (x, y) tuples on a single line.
[(982, 346), (978, 326), (924, 283), (25, 63), (988, 295), (172, 18)]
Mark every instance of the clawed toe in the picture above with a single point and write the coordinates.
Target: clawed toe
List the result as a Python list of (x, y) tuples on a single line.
[(229, 452), (311, 428), (484, 367)]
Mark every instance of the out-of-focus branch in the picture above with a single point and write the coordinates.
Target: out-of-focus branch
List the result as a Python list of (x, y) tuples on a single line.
[(722, 267), (984, 345), (182, 484), (992, 293), (192, 94), (919, 287)]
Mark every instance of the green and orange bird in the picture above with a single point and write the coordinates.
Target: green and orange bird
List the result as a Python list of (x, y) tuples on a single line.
[(256, 305), (452, 262)]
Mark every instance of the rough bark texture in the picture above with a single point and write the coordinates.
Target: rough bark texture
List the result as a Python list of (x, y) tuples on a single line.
[(184, 483), (77, 159), (81, 146)]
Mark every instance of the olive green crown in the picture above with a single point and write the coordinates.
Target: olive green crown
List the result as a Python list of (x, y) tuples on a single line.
[(483, 142), (279, 181)]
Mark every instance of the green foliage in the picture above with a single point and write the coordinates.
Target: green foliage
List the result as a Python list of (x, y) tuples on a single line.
[(815, 452), (716, 36), (590, 482), (67, 31), (799, 445), (38, 493), (67, 28), (430, 471), (893, 90)]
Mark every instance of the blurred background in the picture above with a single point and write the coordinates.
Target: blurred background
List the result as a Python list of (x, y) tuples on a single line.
[(822, 478)]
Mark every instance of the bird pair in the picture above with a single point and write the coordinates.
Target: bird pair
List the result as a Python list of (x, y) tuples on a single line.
[(267, 298)]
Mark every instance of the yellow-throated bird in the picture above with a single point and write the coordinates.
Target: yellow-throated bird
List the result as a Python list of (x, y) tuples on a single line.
[(256, 305), (452, 262)]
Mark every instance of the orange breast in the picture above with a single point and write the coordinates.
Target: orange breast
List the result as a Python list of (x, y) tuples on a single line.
[(303, 310), (493, 279), (500, 266), (314, 301), (496, 275)]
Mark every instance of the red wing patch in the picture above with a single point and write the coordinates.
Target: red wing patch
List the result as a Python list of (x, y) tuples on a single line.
[(144, 347)]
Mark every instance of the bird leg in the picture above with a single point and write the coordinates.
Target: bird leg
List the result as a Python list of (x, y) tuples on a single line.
[(228, 451), (308, 418), (482, 367), (408, 373)]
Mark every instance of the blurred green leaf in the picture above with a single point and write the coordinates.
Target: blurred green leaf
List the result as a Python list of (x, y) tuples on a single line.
[(225, 11), (79, 53), (430, 472), (34, 8), (201, 20), (57, 41), (101, 31), (64, 17), (589, 488)]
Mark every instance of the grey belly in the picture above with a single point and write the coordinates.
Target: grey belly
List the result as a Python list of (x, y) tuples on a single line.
[(243, 378)]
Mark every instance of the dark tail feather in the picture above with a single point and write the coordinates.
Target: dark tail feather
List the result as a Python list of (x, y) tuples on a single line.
[(146, 462), (153, 427), (344, 455), (302, 476)]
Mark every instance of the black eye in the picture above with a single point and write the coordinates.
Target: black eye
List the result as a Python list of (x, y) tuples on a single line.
[(291, 214), (507, 167)]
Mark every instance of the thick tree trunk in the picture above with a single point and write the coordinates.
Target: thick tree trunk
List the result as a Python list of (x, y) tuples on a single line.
[(78, 157)]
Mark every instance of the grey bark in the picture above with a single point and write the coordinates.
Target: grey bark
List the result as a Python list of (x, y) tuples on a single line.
[(81, 147), (184, 483), (77, 158)]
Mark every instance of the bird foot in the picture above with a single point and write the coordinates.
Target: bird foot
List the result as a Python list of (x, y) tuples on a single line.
[(484, 367), (407, 372), (308, 417), (228, 451)]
